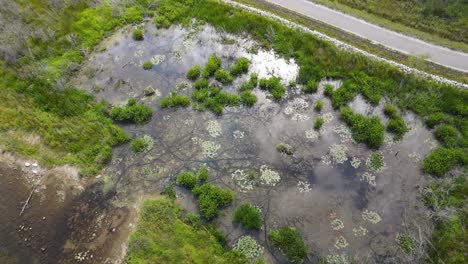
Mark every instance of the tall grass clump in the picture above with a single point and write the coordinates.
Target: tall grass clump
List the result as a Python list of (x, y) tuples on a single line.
[(132, 112)]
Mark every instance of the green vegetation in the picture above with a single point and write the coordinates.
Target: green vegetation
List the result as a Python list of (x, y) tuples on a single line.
[(251, 84), (365, 130), (200, 84), (137, 34), (289, 241), (194, 72), (248, 216), (406, 243), (310, 87), (169, 192), (432, 20), (132, 112), (375, 162), (318, 123), (396, 124), (213, 64), (223, 76), (285, 149), (248, 98), (248, 247), (142, 144), (447, 135), (274, 86), (437, 118), (187, 180), (328, 90), (211, 199), (149, 91), (318, 106), (162, 236), (441, 160), (240, 66), (147, 65), (174, 101), (202, 173), (448, 198)]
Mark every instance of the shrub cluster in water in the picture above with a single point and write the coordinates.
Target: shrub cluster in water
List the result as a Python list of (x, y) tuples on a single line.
[(174, 101), (248, 216), (132, 112), (396, 124), (210, 197), (289, 241), (274, 86), (364, 130)]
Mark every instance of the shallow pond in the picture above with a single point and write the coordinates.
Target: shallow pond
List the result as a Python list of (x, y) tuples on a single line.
[(325, 189)]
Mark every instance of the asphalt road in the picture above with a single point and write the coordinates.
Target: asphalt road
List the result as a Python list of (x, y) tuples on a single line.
[(408, 45)]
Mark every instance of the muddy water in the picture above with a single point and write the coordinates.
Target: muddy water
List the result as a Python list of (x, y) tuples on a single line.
[(319, 189)]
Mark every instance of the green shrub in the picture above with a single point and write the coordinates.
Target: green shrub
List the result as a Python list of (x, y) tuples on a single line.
[(174, 101), (192, 219), (289, 242), (397, 126), (375, 162), (213, 64), (328, 90), (187, 180), (222, 76), (170, 192), (248, 216), (132, 112), (212, 198), (318, 106), (274, 86), (285, 149), (148, 65), (202, 174), (137, 34), (447, 135), (365, 130), (149, 91), (442, 159), (248, 98), (194, 73), (240, 66), (406, 243), (436, 119), (318, 123), (142, 144), (201, 84), (310, 87), (251, 84), (390, 111)]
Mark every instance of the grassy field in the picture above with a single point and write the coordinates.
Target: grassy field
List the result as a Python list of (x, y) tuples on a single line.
[(441, 22)]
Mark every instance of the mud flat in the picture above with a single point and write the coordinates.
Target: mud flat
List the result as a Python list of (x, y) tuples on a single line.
[(64, 217)]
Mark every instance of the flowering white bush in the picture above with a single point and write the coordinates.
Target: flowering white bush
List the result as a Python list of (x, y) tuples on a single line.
[(338, 153), (244, 180), (269, 176), (341, 243), (360, 231), (210, 149), (312, 135), (335, 259), (238, 134), (213, 127), (327, 117), (326, 159), (432, 143), (296, 108), (371, 216), (355, 162), (303, 186), (337, 224), (414, 156), (158, 59), (248, 247), (344, 132), (369, 178)]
